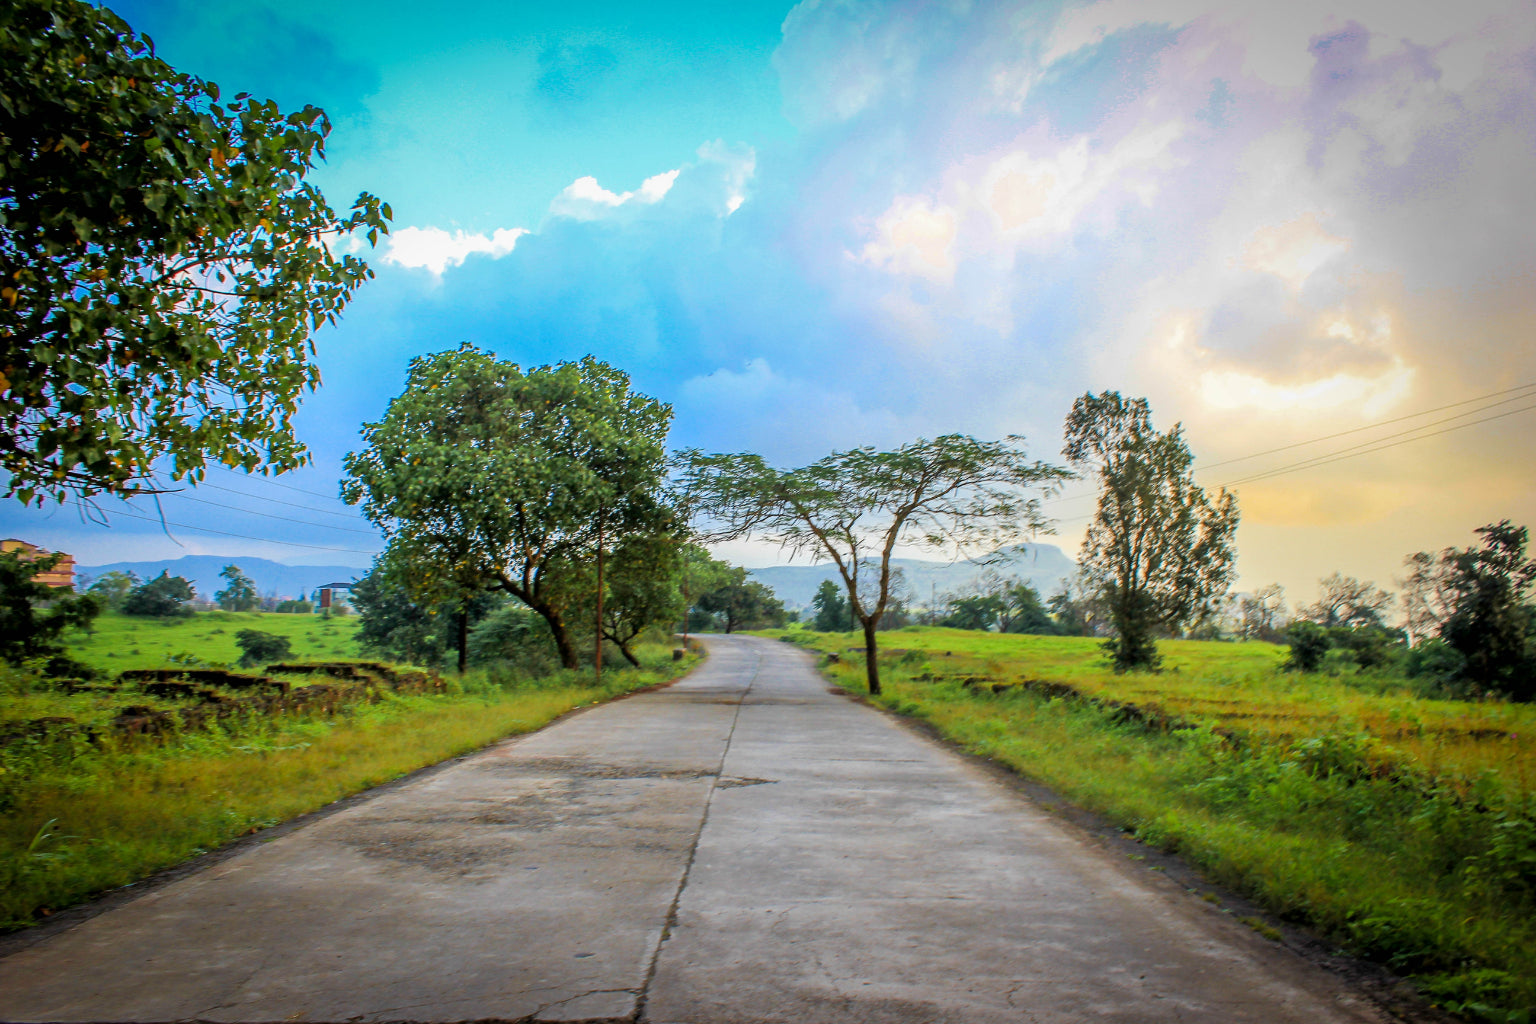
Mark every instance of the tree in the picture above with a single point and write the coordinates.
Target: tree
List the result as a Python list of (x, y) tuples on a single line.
[(856, 506), (743, 604), (700, 573), (1023, 611), (240, 595), (1346, 601), (1486, 618), (832, 614), (257, 647), (165, 596), (503, 478), (34, 615), (1261, 613), (974, 611), (111, 588), (412, 611), (1158, 550), (164, 262), (643, 589)]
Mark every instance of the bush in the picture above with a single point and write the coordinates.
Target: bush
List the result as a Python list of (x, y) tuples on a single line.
[(515, 635), (257, 647), (1309, 644)]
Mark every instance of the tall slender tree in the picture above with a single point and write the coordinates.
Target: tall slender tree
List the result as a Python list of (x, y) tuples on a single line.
[(1158, 550)]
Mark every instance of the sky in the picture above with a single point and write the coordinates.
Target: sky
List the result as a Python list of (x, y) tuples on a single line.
[(1302, 231)]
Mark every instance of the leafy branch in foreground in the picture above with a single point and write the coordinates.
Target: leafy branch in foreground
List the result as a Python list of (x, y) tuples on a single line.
[(163, 262), (855, 507)]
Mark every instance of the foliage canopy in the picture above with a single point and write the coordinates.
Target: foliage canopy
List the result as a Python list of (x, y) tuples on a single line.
[(163, 262), (494, 477)]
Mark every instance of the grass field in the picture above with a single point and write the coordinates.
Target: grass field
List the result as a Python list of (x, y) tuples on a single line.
[(1401, 827), (77, 819), (119, 642)]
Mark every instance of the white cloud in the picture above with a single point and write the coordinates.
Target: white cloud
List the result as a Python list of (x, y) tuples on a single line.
[(585, 199), (436, 250)]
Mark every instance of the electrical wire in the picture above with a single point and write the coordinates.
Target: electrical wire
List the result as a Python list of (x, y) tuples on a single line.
[(270, 515), (277, 501), (241, 536), (1395, 419), (278, 483), (1367, 448)]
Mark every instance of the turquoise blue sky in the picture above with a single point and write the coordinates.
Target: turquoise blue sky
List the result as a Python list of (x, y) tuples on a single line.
[(840, 223)]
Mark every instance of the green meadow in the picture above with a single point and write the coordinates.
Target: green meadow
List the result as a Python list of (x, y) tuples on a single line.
[(1400, 827), (119, 642)]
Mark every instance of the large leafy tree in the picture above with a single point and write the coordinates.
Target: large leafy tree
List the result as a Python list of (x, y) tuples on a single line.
[(1158, 549), (854, 507), (163, 262), (505, 478)]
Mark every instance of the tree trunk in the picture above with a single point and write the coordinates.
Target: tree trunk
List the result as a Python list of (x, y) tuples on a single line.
[(871, 656), (597, 649), (629, 655), (463, 638)]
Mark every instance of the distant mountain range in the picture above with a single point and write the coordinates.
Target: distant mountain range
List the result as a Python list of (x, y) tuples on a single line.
[(1044, 566), (269, 576)]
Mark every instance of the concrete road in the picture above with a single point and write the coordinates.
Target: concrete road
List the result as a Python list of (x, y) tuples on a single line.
[(744, 846)]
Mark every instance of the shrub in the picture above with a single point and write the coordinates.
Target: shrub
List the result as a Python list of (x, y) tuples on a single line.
[(257, 647)]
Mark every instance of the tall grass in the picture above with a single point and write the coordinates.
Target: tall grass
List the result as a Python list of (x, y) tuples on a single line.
[(1403, 828), (85, 819)]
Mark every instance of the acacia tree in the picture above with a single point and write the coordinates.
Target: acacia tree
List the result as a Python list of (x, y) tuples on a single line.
[(503, 478), (163, 262), (854, 507), (1158, 550)]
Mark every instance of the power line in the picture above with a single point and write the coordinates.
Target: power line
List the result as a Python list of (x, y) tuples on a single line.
[(1367, 449), (1355, 451), (286, 487), (269, 515), (1395, 419), (241, 536), (1329, 457), (277, 501)]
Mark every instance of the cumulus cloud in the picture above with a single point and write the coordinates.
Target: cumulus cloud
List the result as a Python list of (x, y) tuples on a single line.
[(585, 199), (436, 250)]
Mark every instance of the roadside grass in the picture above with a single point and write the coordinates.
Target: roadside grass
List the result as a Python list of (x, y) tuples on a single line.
[(119, 642), (87, 819), (1402, 828)]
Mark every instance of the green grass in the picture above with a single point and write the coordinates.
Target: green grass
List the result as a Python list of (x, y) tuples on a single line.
[(119, 642), (1401, 827), (84, 820)]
